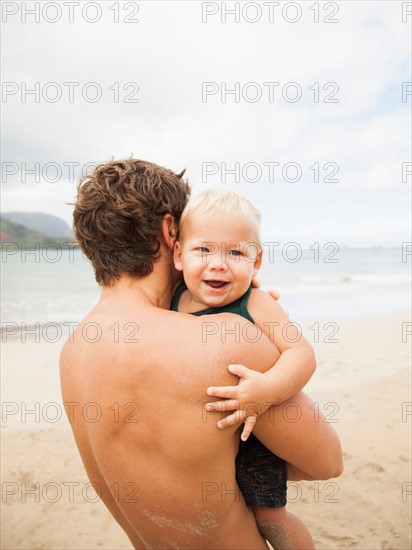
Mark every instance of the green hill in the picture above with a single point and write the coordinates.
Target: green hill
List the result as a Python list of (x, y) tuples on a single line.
[(46, 224), (16, 233)]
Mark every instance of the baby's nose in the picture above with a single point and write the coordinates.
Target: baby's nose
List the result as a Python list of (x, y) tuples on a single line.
[(217, 264)]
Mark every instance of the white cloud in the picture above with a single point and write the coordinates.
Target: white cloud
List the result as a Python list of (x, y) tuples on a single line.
[(169, 53)]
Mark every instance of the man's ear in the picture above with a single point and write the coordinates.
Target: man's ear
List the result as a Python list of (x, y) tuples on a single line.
[(257, 264), (177, 256), (169, 230)]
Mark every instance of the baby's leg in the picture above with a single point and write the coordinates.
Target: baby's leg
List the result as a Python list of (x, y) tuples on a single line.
[(283, 530), (262, 477)]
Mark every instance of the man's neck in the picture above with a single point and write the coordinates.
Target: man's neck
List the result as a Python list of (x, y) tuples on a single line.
[(155, 289)]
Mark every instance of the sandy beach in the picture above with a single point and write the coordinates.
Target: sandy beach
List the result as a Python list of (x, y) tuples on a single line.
[(362, 384)]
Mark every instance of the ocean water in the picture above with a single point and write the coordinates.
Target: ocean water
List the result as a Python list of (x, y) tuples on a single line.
[(58, 286), (45, 286), (340, 283), (48, 287)]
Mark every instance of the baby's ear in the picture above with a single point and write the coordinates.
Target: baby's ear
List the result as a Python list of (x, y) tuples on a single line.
[(257, 264), (177, 256)]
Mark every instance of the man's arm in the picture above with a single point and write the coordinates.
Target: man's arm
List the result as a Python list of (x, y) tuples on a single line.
[(298, 432)]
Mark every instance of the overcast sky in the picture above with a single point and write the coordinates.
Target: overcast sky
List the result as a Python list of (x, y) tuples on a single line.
[(316, 131)]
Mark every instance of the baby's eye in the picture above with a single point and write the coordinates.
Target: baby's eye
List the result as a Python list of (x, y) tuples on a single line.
[(203, 249), (235, 252)]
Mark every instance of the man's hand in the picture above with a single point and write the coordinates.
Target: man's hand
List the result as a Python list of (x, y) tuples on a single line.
[(251, 395)]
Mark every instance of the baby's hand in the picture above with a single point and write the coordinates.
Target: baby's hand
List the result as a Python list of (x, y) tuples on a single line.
[(273, 293), (249, 399)]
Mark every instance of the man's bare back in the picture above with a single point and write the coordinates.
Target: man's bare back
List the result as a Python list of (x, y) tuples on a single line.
[(164, 470), (158, 461)]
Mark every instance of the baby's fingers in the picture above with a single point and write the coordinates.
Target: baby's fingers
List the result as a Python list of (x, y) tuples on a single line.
[(222, 406), (223, 391), (274, 294), (231, 420), (250, 422)]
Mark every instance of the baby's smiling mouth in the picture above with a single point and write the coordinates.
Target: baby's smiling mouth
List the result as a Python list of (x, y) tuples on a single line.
[(216, 284)]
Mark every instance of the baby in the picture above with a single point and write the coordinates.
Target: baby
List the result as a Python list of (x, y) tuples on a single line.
[(219, 252)]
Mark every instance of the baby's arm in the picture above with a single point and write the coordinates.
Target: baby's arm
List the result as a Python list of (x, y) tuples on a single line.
[(297, 362), (257, 391)]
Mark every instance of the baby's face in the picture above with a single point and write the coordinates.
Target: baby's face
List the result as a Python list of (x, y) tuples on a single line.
[(218, 258)]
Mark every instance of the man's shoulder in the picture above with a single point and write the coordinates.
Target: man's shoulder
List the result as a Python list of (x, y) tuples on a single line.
[(163, 335), (233, 339)]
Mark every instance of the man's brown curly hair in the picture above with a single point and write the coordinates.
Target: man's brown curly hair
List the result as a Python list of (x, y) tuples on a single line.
[(118, 215)]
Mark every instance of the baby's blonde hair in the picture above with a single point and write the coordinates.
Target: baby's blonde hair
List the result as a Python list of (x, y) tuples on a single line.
[(227, 203)]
